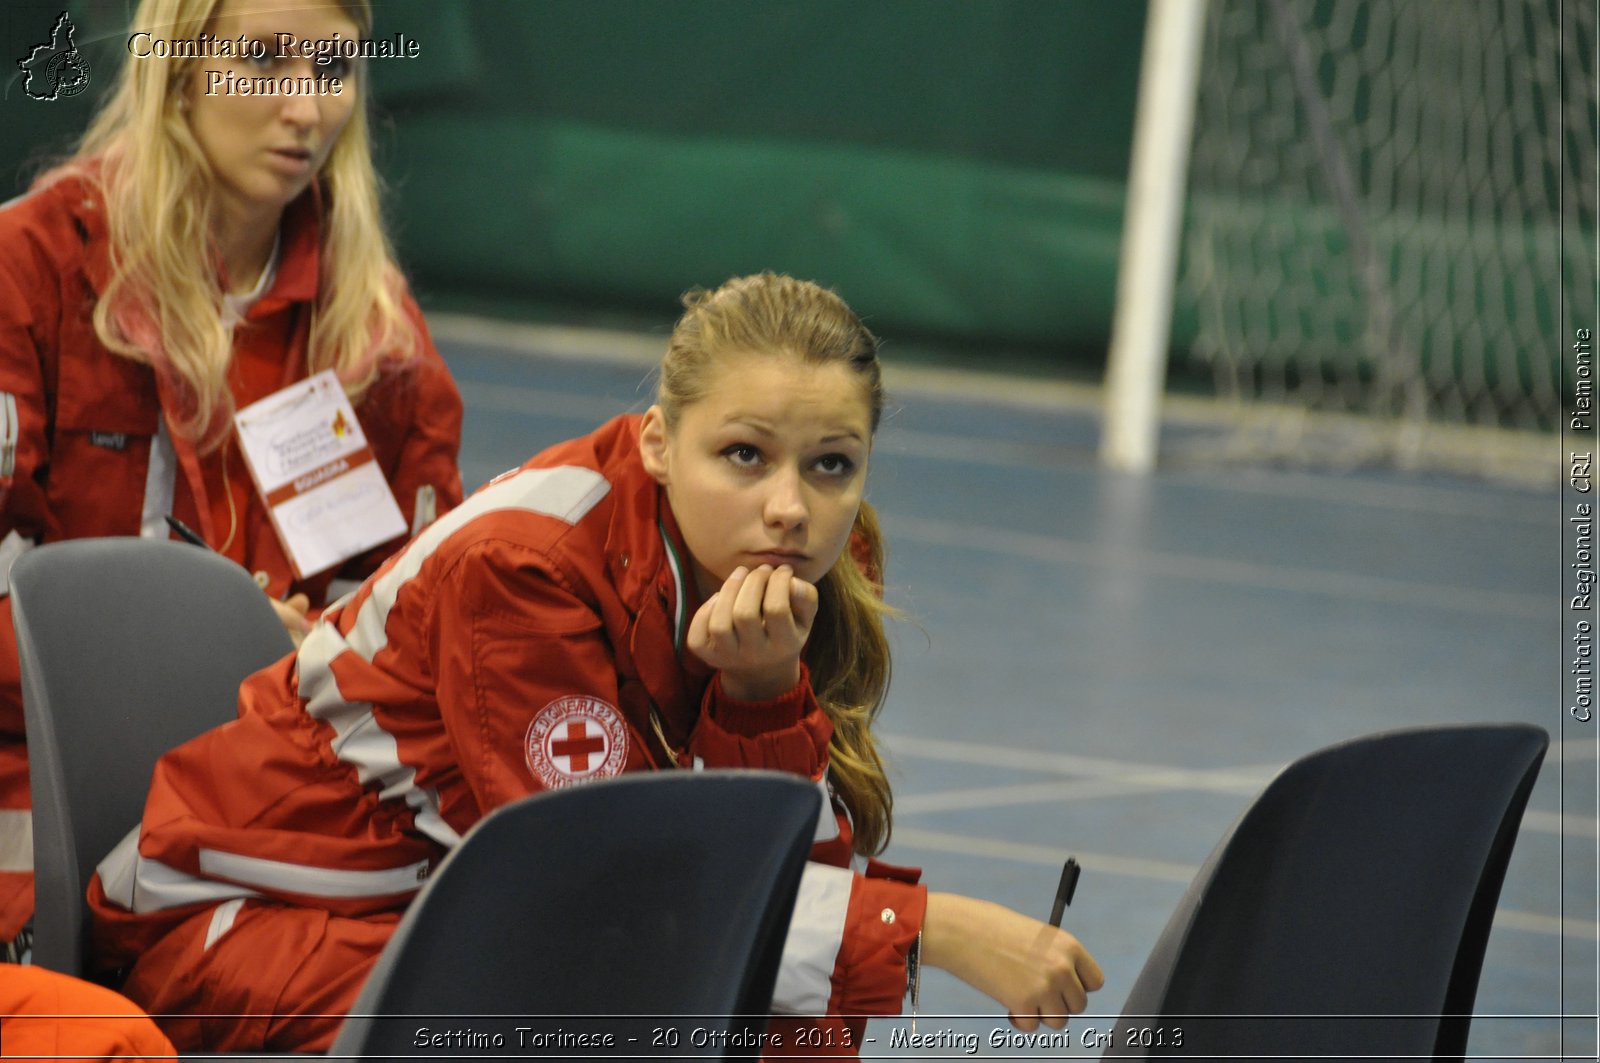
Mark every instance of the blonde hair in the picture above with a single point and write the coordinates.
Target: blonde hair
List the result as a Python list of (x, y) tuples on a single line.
[(163, 303), (848, 650)]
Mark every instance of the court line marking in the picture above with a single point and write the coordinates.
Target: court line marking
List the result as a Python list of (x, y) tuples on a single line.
[(975, 753), (1108, 778), (1040, 793), (1333, 489), (1330, 490), (1017, 794), (515, 398), (1347, 585), (1168, 871)]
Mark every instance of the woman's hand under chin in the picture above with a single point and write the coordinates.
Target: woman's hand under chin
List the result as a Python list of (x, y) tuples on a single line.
[(753, 630)]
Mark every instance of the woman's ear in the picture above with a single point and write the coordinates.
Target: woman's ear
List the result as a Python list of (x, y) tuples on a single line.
[(653, 444)]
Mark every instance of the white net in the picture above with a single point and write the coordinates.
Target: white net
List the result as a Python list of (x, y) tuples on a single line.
[(1390, 229)]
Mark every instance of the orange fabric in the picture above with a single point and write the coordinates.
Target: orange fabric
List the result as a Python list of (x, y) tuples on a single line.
[(46, 1015)]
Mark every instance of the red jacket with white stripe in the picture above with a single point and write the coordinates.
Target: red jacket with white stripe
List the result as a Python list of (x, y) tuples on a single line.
[(524, 641), (85, 451)]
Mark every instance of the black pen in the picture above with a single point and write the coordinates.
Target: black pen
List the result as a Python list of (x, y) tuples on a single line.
[(189, 535), (1064, 892), (186, 533)]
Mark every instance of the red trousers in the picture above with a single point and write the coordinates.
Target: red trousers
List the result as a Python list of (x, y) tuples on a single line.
[(281, 979)]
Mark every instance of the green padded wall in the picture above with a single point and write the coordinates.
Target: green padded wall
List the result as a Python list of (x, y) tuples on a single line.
[(954, 167)]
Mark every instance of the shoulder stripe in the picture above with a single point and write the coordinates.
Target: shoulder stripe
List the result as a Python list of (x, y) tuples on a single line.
[(567, 493)]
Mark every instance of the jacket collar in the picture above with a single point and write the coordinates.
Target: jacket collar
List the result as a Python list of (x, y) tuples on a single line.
[(647, 563), (645, 554), (300, 259)]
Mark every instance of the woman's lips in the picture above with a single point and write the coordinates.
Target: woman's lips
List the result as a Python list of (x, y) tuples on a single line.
[(776, 559)]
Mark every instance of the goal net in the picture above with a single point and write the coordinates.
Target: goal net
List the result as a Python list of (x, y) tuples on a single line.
[(1389, 235)]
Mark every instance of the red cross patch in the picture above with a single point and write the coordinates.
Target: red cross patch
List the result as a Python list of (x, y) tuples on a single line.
[(574, 739)]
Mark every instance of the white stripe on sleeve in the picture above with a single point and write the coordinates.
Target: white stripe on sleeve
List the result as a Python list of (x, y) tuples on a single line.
[(16, 835), (8, 435), (313, 881), (805, 974)]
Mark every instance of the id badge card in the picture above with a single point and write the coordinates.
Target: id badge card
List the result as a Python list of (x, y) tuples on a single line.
[(315, 471)]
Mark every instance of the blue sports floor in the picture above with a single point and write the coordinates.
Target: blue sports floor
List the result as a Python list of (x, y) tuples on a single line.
[(1112, 668)]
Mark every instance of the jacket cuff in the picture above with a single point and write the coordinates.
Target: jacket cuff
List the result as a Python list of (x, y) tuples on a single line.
[(748, 719), (885, 918), (787, 733)]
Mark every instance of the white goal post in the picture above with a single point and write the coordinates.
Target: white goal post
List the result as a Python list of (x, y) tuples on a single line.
[(1352, 213)]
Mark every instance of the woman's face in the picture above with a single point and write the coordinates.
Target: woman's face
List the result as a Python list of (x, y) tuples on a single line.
[(264, 150), (767, 469)]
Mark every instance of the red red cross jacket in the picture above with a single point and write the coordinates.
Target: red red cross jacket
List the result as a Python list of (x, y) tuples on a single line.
[(521, 642), (85, 448)]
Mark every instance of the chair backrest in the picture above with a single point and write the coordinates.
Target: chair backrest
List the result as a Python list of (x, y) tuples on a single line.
[(631, 901), (128, 647), (1356, 892)]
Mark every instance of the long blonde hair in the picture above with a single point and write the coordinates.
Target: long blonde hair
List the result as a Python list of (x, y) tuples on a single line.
[(163, 303), (848, 650)]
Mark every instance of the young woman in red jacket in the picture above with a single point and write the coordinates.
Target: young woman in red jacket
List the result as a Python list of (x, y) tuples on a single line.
[(695, 586), (201, 250)]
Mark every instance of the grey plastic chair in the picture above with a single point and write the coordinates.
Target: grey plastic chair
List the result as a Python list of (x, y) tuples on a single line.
[(128, 648), (652, 906), (1347, 912)]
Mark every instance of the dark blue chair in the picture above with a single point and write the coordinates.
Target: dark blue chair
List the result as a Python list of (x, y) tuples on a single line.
[(1346, 914), (653, 906)]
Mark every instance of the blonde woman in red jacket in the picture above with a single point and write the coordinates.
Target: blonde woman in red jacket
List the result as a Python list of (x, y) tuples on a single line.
[(689, 587), (201, 250)]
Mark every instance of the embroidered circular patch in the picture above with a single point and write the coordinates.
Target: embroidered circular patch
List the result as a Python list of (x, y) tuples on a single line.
[(574, 739)]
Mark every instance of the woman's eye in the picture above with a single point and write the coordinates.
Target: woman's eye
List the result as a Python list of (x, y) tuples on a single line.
[(261, 57), (337, 67), (835, 465), (742, 454)]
